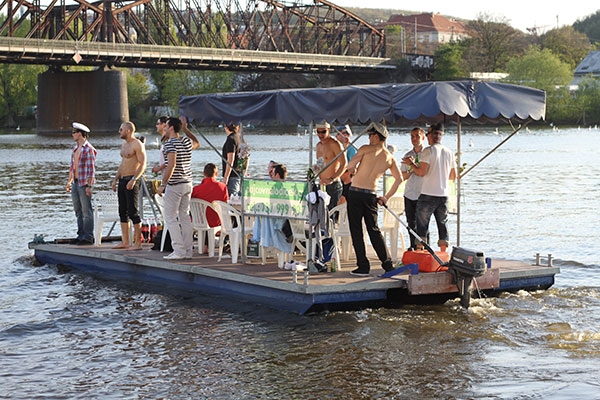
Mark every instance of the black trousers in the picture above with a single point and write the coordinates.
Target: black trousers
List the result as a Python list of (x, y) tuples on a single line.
[(363, 206)]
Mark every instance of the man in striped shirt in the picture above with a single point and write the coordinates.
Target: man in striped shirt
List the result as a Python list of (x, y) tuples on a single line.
[(177, 187)]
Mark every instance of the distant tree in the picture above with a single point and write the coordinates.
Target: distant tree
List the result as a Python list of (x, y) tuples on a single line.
[(590, 26), (187, 83), (449, 62), (539, 68), (493, 42), (18, 85), (569, 45), (587, 100), (394, 46), (138, 94)]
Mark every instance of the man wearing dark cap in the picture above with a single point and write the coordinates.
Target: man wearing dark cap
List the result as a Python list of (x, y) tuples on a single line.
[(81, 178), (367, 166), (437, 167)]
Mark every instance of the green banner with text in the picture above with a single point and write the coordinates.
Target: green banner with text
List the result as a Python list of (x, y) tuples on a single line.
[(275, 198)]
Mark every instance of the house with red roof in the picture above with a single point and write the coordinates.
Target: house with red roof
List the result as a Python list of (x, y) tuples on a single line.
[(425, 32)]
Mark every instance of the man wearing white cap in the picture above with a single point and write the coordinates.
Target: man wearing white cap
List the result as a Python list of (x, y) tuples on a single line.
[(327, 149), (81, 178)]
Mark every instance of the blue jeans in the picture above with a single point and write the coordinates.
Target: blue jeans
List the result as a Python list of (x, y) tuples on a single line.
[(410, 210), (234, 185), (438, 206), (82, 204)]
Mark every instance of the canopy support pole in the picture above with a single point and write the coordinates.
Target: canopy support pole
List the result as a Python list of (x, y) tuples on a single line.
[(458, 181)]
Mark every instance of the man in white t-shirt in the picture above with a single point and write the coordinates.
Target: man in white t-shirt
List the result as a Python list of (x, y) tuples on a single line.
[(437, 167)]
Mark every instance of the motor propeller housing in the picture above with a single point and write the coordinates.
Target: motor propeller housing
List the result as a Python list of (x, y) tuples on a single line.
[(465, 265)]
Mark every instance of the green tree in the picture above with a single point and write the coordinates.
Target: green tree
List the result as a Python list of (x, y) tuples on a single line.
[(493, 42), (138, 92), (18, 85), (187, 82), (449, 63), (587, 100), (539, 68), (569, 45), (590, 26), (394, 46)]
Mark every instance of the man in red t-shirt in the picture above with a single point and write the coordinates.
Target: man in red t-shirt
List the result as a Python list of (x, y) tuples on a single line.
[(210, 190)]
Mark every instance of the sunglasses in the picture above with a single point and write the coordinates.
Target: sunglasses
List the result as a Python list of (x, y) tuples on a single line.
[(321, 131)]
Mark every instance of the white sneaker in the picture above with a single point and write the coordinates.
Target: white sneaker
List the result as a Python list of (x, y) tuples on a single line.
[(299, 267), (174, 256), (290, 265)]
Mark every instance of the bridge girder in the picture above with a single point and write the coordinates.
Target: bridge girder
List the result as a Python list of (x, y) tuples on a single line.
[(299, 26)]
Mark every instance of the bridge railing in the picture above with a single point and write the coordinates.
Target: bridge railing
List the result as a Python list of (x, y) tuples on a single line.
[(43, 51)]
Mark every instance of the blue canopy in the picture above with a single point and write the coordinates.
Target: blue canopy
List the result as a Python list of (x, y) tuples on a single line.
[(467, 101)]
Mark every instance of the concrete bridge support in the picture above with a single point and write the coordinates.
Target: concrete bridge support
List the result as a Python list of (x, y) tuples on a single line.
[(97, 99)]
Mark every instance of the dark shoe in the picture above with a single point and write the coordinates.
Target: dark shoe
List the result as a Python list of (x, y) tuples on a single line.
[(359, 272), (73, 241), (84, 243), (320, 266), (387, 266)]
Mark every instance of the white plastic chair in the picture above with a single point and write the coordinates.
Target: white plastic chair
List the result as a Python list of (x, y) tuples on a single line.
[(198, 208), (236, 239), (391, 226), (299, 230), (160, 202), (341, 230), (106, 209)]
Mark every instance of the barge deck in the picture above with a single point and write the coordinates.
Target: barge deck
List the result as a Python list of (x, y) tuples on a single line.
[(299, 292)]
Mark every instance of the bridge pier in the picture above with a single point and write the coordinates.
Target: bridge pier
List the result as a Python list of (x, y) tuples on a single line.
[(97, 99)]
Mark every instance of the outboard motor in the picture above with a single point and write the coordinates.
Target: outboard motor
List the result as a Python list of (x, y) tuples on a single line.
[(464, 265)]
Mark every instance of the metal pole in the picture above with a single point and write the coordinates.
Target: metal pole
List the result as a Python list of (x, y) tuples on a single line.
[(458, 160)]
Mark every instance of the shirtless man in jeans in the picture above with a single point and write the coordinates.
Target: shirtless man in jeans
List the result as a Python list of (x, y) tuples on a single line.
[(367, 166), (127, 185), (327, 148)]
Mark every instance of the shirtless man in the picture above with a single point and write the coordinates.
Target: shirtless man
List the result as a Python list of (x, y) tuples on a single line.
[(133, 164), (327, 148), (367, 166)]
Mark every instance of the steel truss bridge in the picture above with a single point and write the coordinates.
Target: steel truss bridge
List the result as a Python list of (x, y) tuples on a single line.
[(252, 35)]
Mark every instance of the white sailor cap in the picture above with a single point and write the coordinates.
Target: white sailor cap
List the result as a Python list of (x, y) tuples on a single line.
[(323, 125), (81, 127)]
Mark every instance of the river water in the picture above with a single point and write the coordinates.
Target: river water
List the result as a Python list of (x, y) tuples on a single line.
[(66, 335)]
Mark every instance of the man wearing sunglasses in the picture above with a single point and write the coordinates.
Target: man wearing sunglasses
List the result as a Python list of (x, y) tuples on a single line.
[(81, 178), (327, 149)]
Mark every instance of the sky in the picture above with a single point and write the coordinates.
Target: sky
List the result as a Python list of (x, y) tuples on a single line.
[(522, 14)]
